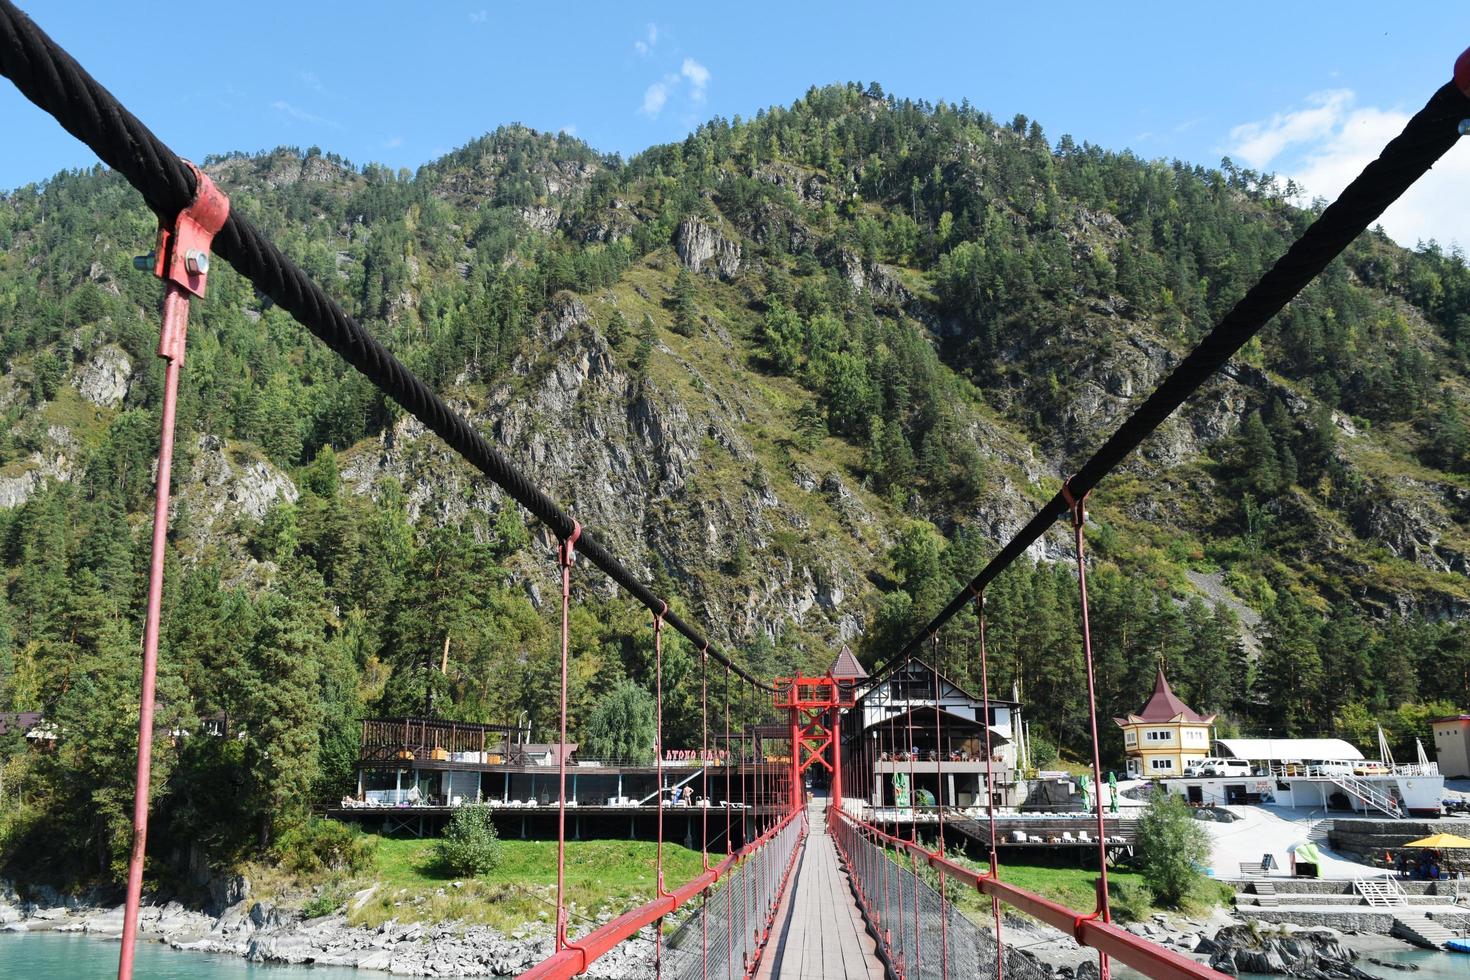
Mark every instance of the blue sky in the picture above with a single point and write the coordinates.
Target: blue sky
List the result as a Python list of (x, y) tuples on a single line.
[(1304, 90)]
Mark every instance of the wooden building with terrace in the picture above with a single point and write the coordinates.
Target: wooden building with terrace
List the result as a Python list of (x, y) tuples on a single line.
[(413, 772)]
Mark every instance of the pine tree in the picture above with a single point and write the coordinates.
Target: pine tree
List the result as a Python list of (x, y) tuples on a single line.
[(643, 353), (686, 315), (617, 328), (281, 707), (1291, 668)]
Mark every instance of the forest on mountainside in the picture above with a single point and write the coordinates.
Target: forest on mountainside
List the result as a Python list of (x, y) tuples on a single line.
[(806, 371)]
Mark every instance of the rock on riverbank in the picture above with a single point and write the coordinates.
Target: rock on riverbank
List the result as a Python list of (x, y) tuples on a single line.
[(1313, 953), (265, 933)]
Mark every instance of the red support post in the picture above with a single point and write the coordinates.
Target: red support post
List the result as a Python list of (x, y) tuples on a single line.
[(182, 262), (797, 801), (1078, 507), (833, 725), (566, 555)]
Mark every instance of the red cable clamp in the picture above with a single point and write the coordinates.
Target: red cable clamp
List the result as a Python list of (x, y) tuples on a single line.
[(567, 551), (1462, 73), (1075, 504), (182, 255)]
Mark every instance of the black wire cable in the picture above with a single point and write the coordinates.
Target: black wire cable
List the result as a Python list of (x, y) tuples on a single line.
[(52, 79), (1406, 158)]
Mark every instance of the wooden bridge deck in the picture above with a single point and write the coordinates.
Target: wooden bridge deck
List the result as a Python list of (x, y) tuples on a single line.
[(819, 932)]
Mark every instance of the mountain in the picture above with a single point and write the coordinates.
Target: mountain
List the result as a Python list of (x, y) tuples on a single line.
[(803, 371)]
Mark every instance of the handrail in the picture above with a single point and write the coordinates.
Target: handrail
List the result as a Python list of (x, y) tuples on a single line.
[(575, 958), (1117, 942)]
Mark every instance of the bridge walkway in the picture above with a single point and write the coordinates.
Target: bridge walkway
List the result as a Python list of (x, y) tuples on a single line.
[(819, 932)]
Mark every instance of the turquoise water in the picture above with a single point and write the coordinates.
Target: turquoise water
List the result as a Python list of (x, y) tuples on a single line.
[(26, 956), (1431, 966), (1427, 966)]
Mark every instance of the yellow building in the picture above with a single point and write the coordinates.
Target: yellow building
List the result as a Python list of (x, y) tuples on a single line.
[(1165, 735)]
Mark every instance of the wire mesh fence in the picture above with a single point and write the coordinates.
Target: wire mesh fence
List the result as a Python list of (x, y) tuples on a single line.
[(723, 932), (921, 935)]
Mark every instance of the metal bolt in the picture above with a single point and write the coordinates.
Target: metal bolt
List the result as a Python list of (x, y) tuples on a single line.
[(196, 261), (1465, 127), (144, 263)]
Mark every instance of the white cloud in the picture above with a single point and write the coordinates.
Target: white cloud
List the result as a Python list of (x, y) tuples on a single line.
[(1325, 144), (570, 129), (393, 142), (698, 76), (654, 98), (301, 115), (479, 16), (645, 45), (1258, 143)]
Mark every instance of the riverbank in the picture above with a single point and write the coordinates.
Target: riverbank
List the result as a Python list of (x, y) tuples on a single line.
[(262, 932)]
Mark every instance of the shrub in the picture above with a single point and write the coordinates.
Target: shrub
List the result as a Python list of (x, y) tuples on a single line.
[(1171, 847), (319, 845), (325, 902), (1044, 753), (470, 845)]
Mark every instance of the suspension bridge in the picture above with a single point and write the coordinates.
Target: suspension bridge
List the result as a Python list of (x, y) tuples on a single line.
[(819, 890)]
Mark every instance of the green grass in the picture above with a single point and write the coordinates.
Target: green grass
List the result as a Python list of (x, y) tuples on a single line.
[(601, 877), (1072, 887)]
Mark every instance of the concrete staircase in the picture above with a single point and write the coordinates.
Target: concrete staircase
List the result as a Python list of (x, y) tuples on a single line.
[(1421, 930)]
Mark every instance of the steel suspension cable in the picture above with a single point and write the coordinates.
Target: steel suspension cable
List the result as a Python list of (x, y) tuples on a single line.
[(1426, 137), (49, 77)]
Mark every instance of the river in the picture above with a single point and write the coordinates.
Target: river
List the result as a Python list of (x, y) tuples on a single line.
[(26, 956), (32, 955)]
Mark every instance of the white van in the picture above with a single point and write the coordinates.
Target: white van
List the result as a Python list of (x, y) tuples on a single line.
[(1216, 766)]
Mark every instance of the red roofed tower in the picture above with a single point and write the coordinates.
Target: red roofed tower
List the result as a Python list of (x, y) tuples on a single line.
[(1165, 735)]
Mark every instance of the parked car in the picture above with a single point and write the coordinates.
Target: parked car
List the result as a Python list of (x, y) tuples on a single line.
[(1216, 766)]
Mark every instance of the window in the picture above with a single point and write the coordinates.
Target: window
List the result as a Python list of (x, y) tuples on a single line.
[(1158, 735), (913, 689), (1158, 765), (1130, 738)]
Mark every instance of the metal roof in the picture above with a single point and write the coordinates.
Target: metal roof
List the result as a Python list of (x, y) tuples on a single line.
[(1290, 749), (846, 666), (1164, 706)]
